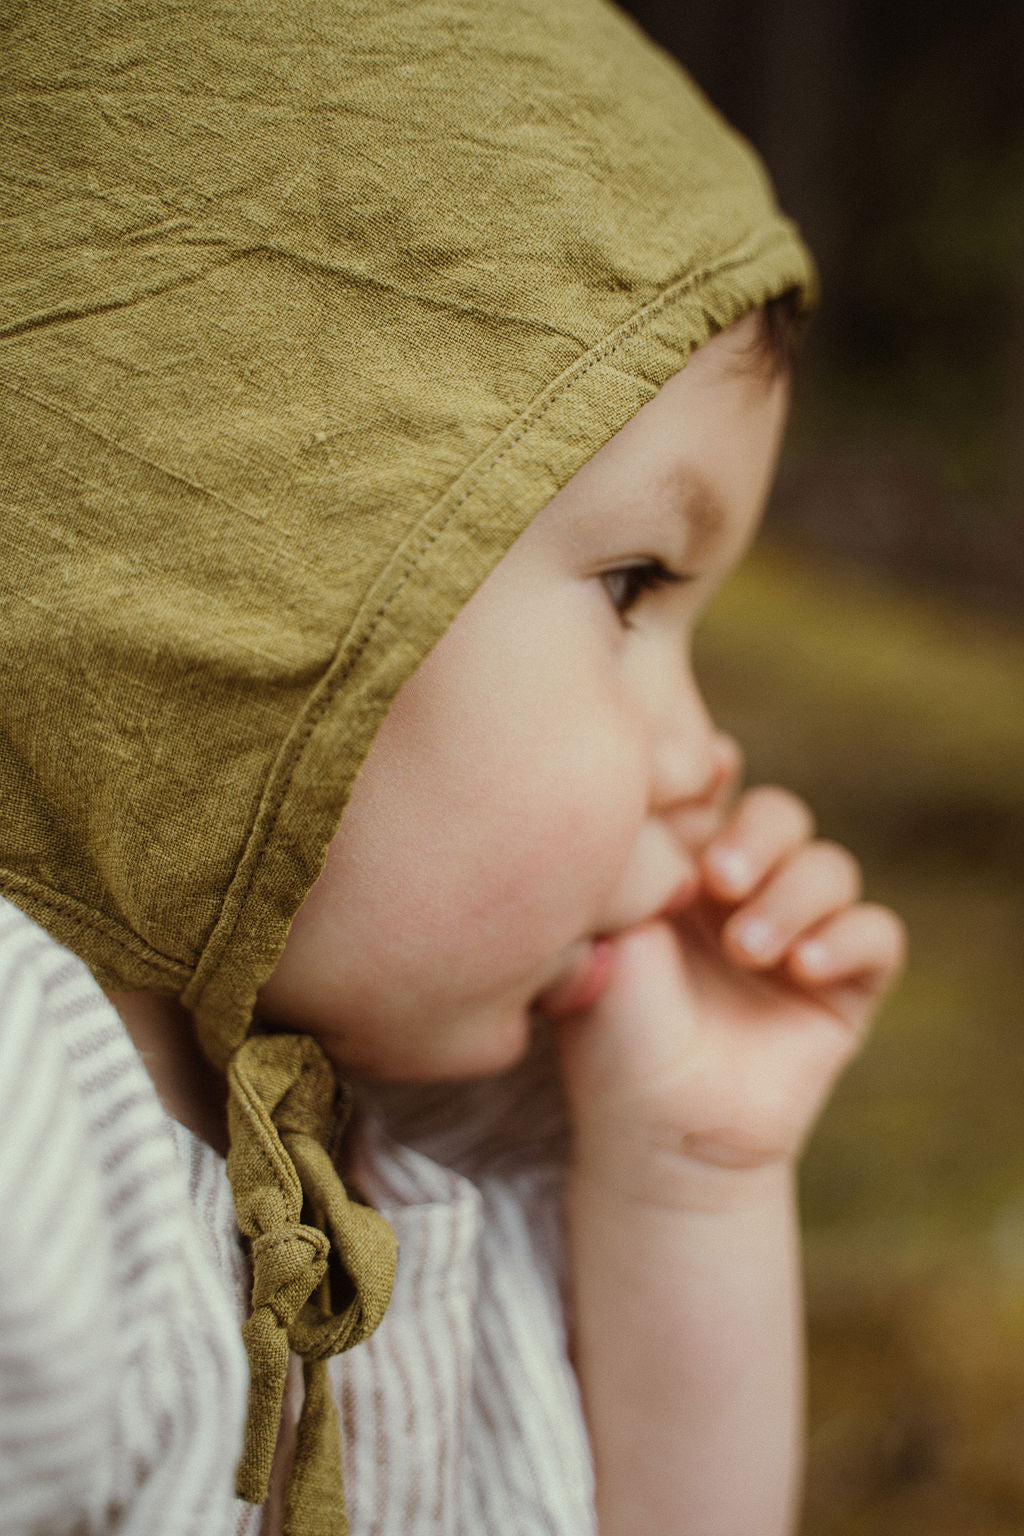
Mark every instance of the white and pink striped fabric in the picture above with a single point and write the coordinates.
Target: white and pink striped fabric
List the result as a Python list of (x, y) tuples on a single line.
[(122, 1377), (122, 1279)]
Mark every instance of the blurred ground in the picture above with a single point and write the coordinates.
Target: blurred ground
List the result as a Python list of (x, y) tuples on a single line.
[(901, 717)]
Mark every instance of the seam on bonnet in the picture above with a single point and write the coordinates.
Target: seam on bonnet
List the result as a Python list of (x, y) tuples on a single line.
[(81, 916), (671, 293)]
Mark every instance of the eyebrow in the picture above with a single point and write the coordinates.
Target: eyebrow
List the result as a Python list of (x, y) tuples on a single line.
[(685, 490)]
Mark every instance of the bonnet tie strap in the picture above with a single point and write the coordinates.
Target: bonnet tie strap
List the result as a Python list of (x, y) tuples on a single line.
[(281, 1111)]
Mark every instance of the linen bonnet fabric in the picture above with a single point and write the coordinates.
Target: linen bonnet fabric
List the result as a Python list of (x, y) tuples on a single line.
[(305, 311)]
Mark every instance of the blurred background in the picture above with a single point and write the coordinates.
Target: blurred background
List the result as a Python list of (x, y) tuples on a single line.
[(871, 656)]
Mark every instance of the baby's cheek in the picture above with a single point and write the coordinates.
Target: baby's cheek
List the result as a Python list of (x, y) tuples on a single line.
[(542, 878), (589, 836)]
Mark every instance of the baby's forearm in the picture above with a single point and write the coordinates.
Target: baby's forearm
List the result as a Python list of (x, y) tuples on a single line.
[(689, 1349)]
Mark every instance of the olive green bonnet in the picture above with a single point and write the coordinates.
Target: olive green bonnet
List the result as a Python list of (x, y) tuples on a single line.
[(305, 311)]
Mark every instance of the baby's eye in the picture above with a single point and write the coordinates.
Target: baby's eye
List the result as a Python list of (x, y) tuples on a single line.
[(627, 585)]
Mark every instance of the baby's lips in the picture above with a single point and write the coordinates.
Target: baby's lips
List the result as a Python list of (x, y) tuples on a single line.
[(581, 985)]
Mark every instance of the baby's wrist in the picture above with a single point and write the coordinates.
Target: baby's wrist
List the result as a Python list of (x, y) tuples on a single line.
[(677, 1174)]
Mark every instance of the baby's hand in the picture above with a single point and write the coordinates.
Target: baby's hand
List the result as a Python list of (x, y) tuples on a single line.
[(723, 1027)]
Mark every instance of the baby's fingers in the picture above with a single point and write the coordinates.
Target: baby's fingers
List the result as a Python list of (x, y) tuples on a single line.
[(767, 824), (817, 880), (852, 959)]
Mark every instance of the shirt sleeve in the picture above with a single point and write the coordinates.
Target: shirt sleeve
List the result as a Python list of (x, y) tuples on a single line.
[(122, 1377)]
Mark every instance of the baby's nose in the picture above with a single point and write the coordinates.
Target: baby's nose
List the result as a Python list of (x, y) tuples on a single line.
[(693, 822), (691, 756), (728, 764)]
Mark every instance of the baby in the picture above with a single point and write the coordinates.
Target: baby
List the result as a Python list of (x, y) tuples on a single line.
[(708, 961), (393, 392)]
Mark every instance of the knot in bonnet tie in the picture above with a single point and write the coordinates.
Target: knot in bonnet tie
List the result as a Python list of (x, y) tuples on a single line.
[(281, 1113)]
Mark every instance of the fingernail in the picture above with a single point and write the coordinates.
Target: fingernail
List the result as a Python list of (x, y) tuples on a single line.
[(731, 867), (756, 936), (814, 957)]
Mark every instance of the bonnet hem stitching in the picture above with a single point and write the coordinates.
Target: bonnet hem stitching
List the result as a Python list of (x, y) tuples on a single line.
[(673, 291), (125, 938)]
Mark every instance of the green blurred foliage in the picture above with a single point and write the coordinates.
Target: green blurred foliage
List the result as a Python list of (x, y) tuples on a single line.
[(895, 134), (900, 717), (872, 658)]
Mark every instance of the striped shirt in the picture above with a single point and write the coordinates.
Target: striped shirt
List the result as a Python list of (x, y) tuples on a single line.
[(121, 1374)]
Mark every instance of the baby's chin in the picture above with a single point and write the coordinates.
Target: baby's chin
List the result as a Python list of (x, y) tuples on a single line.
[(482, 1045)]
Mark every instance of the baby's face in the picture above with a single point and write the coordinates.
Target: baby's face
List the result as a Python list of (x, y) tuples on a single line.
[(544, 778)]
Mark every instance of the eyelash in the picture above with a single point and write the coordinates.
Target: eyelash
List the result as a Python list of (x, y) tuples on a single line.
[(645, 576)]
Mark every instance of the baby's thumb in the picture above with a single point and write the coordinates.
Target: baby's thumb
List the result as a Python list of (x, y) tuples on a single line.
[(615, 1053)]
